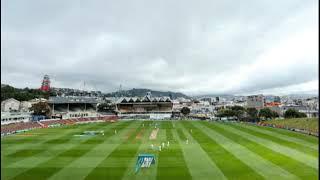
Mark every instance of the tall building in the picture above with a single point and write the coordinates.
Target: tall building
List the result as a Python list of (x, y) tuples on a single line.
[(45, 86), (255, 101)]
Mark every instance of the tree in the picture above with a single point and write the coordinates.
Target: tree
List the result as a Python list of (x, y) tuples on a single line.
[(275, 114), (292, 113), (252, 114), (106, 107), (302, 115), (237, 108), (238, 111), (266, 113), (225, 113), (41, 108), (185, 111), (22, 94)]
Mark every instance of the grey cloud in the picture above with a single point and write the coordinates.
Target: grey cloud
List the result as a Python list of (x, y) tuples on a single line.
[(189, 46)]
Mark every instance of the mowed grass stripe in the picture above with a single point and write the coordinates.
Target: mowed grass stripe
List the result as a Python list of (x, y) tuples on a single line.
[(150, 173), (292, 145), (253, 160), (54, 164), (230, 165), (294, 154), (44, 147), (304, 137), (181, 134), (49, 135), (41, 135), (20, 165), (285, 162), (144, 173), (171, 163), (116, 163), (199, 163), (83, 165), (298, 144)]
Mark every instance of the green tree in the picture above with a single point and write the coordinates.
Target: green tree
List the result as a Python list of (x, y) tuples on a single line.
[(238, 111), (185, 111), (252, 114), (106, 107), (225, 113), (41, 108), (266, 113), (293, 113), (302, 115), (25, 94), (275, 114)]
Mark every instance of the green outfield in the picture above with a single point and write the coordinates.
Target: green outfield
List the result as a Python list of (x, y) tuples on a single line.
[(197, 150)]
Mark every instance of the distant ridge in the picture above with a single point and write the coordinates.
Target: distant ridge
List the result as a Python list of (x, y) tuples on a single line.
[(142, 92)]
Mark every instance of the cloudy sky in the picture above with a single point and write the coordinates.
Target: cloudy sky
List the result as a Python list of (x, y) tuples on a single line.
[(194, 47)]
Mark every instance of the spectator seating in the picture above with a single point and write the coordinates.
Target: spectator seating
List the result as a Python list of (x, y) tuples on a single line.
[(12, 128)]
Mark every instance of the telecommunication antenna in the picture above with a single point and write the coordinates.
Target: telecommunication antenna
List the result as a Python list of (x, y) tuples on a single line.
[(120, 90)]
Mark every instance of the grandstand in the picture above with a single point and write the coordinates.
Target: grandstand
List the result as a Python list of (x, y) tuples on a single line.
[(16, 127), (70, 107), (154, 108), (24, 126)]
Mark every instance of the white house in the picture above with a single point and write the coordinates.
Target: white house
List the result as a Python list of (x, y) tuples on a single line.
[(25, 105), (10, 105)]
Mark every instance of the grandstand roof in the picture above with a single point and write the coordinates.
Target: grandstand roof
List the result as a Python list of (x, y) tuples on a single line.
[(78, 99), (144, 99)]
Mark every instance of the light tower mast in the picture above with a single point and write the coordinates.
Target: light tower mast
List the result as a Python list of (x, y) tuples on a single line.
[(45, 86)]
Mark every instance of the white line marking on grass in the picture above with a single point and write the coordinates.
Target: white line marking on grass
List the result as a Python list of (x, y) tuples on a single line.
[(263, 167), (281, 136), (294, 154)]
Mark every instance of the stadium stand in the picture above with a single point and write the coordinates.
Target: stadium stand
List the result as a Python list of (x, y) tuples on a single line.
[(16, 127), (23, 126)]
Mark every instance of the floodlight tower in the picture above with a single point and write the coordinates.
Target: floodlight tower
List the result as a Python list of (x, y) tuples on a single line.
[(45, 86)]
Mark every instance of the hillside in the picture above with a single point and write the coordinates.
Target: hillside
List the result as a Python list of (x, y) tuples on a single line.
[(25, 94), (143, 92), (309, 124)]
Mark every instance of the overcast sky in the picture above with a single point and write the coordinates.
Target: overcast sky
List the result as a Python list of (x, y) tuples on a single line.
[(194, 47)]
